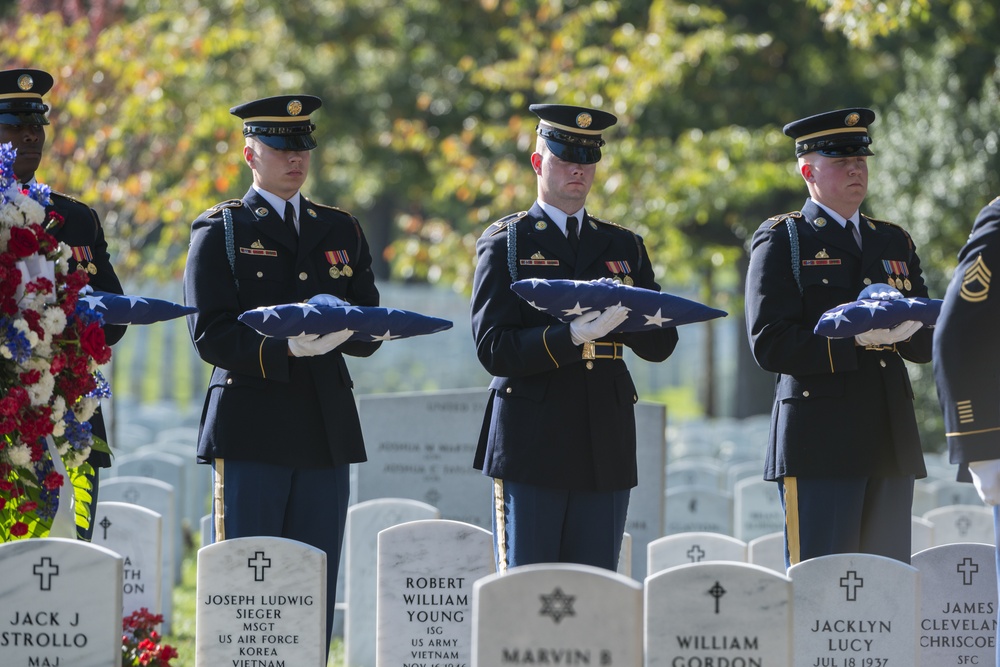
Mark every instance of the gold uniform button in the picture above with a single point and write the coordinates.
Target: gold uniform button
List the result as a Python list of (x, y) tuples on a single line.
[(806, 393), (260, 274), (868, 281), (229, 380), (881, 362), (590, 365), (303, 276), (825, 281), (509, 390)]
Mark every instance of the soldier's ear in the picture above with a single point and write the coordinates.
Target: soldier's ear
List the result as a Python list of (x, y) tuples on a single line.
[(536, 162), (807, 172), (248, 155)]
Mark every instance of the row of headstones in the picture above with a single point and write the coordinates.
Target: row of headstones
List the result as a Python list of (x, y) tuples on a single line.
[(424, 453), (261, 601)]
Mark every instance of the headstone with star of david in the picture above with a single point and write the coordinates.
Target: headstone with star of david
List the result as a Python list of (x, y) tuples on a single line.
[(855, 608), (686, 548), (261, 601), (958, 604), (697, 509), (557, 613), (158, 496), (364, 522), (136, 533), (425, 574), (756, 509), (962, 523), (62, 603), (718, 613)]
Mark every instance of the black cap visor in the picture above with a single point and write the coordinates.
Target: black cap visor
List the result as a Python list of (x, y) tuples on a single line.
[(836, 146), (575, 153), (23, 118), (288, 142)]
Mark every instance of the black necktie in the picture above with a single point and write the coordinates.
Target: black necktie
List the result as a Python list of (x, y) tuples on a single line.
[(572, 234), (855, 232), (290, 218)]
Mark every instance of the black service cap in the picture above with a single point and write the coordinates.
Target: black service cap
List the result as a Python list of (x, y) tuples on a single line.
[(573, 133), (281, 122)]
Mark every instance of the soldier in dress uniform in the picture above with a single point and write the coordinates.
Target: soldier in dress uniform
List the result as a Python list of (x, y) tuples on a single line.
[(967, 363), (279, 425), (843, 447), (558, 437), (22, 124)]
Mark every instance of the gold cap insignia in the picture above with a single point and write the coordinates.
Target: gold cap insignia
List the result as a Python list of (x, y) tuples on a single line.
[(257, 244), (584, 119), (820, 222), (852, 119), (312, 213), (25, 82), (538, 255), (294, 108), (540, 225), (822, 254), (261, 211), (976, 282)]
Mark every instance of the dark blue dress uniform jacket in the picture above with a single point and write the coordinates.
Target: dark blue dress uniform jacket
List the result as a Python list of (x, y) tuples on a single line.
[(82, 228), (552, 421), (839, 410), (966, 353), (263, 405)]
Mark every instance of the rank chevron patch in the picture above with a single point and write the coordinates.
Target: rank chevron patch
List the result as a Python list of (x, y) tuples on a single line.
[(976, 282)]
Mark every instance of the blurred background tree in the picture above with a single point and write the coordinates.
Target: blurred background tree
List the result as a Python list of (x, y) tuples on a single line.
[(425, 132)]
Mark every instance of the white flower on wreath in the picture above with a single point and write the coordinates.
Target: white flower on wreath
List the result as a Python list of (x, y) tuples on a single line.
[(18, 454), (85, 408), (53, 321), (40, 392)]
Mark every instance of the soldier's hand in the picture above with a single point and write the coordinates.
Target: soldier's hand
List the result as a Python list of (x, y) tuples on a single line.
[(311, 345), (327, 300), (896, 334), (595, 324), (986, 477)]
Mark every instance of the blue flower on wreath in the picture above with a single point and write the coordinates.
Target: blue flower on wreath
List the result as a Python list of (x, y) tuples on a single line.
[(47, 500), (102, 388), (15, 340), (77, 433)]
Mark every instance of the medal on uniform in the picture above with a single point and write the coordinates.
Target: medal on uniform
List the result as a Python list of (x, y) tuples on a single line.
[(621, 268), (84, 259), (335, 257), (897, 274)]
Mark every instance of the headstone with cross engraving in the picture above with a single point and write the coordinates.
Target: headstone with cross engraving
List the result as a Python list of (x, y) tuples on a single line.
[(62, 604), (156, 495), (718, 613), (364, 522), (557, 614), (684, 548), (696, 509), (425, 574), (958, 604), (135, 533), (261, 601), (854, 609), (961, 523), (756, 509)]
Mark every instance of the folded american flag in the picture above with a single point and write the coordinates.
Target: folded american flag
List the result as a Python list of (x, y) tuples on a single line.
[(126, 309), (369, 323), (649, 310), (879, 306)]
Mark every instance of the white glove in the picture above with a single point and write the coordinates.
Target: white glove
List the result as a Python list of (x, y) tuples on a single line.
[(899, 332), (596, 324), (327, 300), (311, 345), (986, 477)]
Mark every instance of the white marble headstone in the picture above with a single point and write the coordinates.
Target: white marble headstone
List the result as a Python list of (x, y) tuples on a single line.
[(718, 614), (557, 614), (645, 519), (757, 509), (62, 604), (425, 451), (136, 534), (962, 523), (768, 551), (261, 601), (694, 472), (158, 496), (364, 522), (855, 607), (692, 509), (958, 604), (921, 534), (425, 574), (685, 548), (952, 492)]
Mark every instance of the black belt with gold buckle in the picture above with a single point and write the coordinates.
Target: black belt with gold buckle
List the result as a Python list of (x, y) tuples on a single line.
[(593, 350), (881, 348)]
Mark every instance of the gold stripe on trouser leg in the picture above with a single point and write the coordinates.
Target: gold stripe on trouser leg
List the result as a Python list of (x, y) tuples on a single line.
[(501, 522), (219, 500), (792, 518)]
